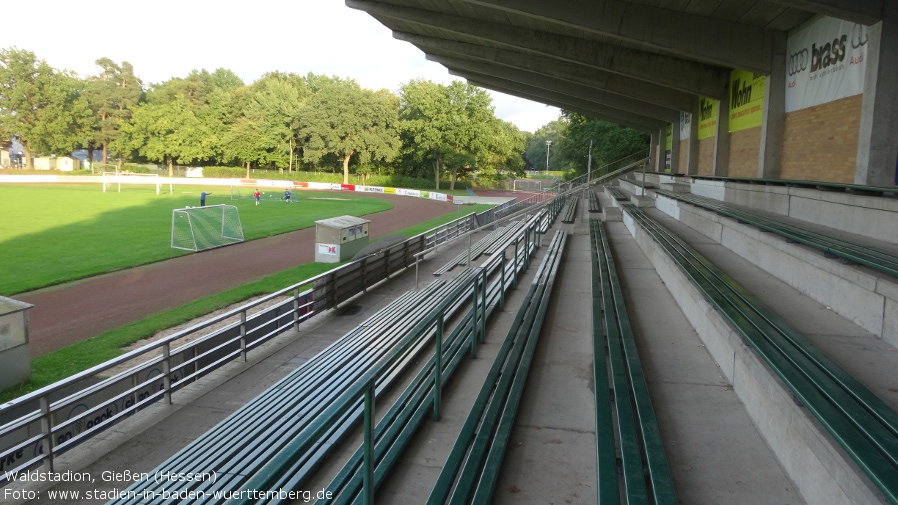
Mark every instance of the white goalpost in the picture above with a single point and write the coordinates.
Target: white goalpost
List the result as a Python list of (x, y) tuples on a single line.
[(528, 185), (111, 179), (201, 228)]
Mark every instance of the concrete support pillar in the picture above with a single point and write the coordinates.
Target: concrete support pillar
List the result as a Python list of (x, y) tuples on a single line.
[(773, 125), (877, 147), (692, 153), (662, 150), (722, 141), (675, 147)]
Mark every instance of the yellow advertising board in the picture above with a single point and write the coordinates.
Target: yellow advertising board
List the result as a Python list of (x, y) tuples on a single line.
[(746, 100), (707, 117)]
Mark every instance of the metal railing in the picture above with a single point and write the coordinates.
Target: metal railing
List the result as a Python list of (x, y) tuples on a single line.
[(629, 163), (36, 427)]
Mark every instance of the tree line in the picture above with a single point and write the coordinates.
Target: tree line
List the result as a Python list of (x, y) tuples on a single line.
[(282, 122)]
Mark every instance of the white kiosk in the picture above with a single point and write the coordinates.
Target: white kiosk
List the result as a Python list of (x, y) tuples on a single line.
[(15, 354), (339, 238)]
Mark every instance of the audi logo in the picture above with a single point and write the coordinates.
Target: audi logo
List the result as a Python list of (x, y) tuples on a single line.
[(859, 35), (798, 61)]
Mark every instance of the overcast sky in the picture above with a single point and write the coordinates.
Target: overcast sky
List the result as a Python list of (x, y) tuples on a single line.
[(167, 38)]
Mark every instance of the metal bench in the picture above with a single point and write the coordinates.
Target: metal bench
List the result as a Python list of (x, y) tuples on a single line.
[(570, 213), (246, 444), (398, 425), (594, 204), (482, 246), (831, 246), (859, 421), (625, 420), (473, 465), (618, 194)]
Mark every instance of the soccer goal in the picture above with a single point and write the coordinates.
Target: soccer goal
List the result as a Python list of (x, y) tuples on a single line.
[(528, 185), (113, 180), (201, 228)]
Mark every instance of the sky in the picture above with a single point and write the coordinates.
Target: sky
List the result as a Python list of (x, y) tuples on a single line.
[(167, 38)]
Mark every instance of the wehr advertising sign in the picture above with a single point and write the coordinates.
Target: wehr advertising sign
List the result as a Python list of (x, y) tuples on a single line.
[(826, 62), (746, 100), (707, 118)]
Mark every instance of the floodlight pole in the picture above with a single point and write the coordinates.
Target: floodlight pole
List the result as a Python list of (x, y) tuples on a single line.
[(589, 164)]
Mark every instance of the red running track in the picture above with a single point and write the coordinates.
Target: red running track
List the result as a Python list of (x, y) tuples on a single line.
[(69, 313)]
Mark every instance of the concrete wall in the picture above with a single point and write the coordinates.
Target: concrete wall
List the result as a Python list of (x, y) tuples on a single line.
[(820, 143)]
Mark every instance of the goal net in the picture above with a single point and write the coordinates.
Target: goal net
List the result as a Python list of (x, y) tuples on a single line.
[(114, 181), (201, 228), (530, 185)]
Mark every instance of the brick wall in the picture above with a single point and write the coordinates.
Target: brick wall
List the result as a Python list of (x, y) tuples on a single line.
[(820, 143), (706, 156), (684, 156), (745, 146)]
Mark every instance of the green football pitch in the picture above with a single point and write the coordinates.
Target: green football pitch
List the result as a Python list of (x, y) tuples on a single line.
[(56, 233)]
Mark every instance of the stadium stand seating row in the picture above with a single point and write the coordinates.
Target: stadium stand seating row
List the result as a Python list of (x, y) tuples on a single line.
[(482, 246), (570, 213), (864, 426), (628, 439), (831, 246), (313, 406), (617, 193), (472, 469)]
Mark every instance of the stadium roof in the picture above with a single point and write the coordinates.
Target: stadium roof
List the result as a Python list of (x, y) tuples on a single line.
[(634, 62)]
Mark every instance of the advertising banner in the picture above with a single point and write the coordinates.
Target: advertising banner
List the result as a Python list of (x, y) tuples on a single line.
[(746, 100), (826, 62), (685, 125), (707, 117)]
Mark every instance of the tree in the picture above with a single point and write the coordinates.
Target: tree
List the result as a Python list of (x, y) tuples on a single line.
[(45, 109), (184, 120), (275, 105), (502, 157), (611, 142), (245, 141), (344, 119), (447, 126), (112, 96), (167, 132), (537, 147)]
